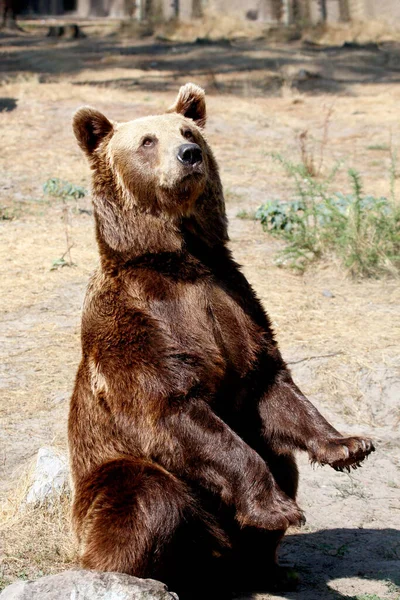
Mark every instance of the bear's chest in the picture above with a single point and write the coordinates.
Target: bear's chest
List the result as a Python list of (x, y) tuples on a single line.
[(202, 320)]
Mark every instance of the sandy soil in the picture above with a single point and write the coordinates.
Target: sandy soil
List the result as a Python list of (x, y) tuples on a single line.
[(341, 337)]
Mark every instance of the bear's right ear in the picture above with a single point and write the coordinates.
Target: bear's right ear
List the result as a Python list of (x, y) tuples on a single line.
[(90, 128)]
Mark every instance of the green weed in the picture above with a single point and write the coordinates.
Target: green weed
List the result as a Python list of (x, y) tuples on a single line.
[(392, 484), (245, 214), (330, 550), (4, 582), (368, 597), (64, 190), (363, 231), (383, 147), (58, 188), (7, 214)]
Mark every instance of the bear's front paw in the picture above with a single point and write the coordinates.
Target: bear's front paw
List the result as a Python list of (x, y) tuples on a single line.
[(276, 512), (341, 453)]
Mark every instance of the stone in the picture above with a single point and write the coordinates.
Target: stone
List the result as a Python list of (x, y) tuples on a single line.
[(88, 585), (50, 477)]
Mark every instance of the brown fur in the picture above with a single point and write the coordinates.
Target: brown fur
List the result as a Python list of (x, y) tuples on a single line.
[(184, 418)]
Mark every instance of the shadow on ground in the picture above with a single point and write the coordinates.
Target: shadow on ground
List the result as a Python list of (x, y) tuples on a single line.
[(246, 67), (7, 104), (325, 556)]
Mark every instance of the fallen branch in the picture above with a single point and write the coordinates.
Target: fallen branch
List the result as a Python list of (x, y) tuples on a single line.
[(307, 358)]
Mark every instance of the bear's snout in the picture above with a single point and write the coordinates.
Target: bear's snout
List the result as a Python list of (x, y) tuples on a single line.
[(190, 154)]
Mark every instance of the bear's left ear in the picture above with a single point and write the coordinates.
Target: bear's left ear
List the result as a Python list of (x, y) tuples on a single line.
[(191, 103)]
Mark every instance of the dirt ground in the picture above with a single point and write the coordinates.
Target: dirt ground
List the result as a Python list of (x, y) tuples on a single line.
[(340, 337)]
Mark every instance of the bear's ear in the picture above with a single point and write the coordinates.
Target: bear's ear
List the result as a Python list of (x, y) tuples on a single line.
[(191, 103), (90, 128)]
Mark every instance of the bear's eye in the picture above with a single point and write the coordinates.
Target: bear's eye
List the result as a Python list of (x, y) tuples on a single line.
[(188, 135), (148, 142)]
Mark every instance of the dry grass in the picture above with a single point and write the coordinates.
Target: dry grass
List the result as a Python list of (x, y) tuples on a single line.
[(361, 32), (335, 346), (311, 154), (343, 349), (213, 26), (36, 541)]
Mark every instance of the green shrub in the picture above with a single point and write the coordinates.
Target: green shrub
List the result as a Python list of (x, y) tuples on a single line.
[(63, 189), (363, 231)]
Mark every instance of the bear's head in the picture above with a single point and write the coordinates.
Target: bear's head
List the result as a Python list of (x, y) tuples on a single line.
[(154, 178)]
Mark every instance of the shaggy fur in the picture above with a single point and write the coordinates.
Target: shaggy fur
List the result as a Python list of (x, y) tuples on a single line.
[(184, 418)]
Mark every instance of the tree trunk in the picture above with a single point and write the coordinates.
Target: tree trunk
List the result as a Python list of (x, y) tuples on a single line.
[(324, 10), (287, 14), (306, 11), (344, 11), (197, 9)]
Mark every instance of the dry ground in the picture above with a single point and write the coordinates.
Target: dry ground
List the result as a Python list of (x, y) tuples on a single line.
[(343, 346)]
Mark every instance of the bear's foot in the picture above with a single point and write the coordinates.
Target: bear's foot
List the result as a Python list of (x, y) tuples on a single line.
[(284, 513), (273, 578), (275, 512), (285, 579), (341, 453)]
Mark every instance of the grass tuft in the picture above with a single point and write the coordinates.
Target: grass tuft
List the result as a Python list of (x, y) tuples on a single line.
[(363, 231), (64, 190), (58, 188), (381, 147), (36, 541)]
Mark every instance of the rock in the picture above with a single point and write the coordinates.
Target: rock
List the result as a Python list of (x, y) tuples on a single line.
[(88, 585), (59, 397), (70, 31), (328, 294), (252, 15), (73, 32), (50, 478), (304, 75), (55, 31)]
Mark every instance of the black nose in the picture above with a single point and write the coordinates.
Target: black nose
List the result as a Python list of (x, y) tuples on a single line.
[(189, 154)]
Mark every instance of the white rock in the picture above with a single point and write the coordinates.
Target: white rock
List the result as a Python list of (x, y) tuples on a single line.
[(88, 585), (50, 478), (14, 591)]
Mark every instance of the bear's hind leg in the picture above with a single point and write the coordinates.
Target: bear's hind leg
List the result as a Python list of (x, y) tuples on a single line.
[(255, 554), (132, 516)]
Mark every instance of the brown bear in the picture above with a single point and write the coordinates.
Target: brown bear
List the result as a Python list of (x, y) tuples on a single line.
[(184, 419)]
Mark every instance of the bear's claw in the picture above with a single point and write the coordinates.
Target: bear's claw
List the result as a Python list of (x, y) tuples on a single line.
[(342, 454), (277, 513)]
